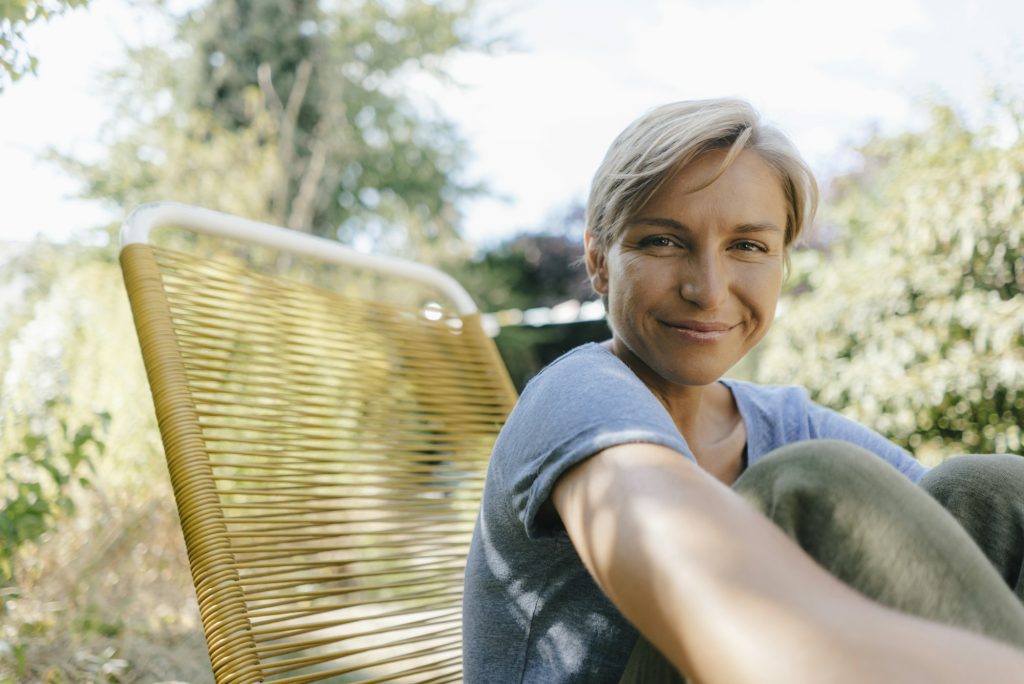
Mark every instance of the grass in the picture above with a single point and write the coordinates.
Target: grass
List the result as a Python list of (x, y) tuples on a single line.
[(106, 597)]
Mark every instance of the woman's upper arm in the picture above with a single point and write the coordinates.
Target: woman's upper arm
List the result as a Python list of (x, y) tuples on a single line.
[(712, 583), (624, 509), (690, 564), (727, 597), (612, 502)]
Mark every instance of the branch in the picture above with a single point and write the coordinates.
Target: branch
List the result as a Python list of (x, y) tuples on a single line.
[(287, 120), (301, 217)]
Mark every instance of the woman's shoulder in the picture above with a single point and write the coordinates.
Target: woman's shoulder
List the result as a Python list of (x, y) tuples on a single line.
[(581, 365), (587, 385), (585, 353)]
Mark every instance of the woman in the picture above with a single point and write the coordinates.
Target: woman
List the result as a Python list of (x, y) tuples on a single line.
[(632, 492)]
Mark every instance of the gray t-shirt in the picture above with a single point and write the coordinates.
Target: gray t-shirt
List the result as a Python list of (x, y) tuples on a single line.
[(532, 612)]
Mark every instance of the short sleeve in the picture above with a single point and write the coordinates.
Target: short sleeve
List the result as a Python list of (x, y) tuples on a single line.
[(777, 415), (583, 403), (833, 425)]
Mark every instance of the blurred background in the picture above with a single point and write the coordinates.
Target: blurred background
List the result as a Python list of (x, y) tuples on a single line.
[(464, 134)]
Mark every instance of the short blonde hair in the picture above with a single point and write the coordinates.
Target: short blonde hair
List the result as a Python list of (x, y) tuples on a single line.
[(665, 140)]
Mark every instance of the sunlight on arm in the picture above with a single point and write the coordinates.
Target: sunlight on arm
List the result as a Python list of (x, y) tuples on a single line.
[(727, 597)]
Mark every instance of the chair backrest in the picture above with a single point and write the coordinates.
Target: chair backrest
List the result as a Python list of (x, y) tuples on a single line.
[(327, 452)]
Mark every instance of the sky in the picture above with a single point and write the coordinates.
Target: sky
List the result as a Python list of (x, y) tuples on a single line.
[(539, 117)]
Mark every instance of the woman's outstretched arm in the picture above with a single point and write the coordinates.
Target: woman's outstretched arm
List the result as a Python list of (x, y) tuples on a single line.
[(727, 597)]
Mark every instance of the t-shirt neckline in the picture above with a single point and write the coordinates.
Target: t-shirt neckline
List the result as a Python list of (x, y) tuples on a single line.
[(735, 387)]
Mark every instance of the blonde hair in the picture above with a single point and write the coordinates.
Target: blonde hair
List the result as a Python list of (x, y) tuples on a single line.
[(659, 144)]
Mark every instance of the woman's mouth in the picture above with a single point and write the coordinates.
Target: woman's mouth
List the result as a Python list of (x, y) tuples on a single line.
[(699, 331)]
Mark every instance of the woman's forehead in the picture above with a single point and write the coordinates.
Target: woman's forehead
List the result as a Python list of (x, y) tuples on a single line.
[(747, 191)]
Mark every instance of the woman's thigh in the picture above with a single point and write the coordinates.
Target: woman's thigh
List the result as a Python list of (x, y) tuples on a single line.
[(986, 496), (878, 532), (872, 528)]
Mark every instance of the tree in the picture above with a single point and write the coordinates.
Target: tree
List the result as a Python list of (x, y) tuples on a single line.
[(297, 113), (540, 267), (16, 59), (306, 114), (912, 319)]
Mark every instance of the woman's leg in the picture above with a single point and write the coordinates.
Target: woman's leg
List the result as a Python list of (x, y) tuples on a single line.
[(879, 533), (986, 496), (646, 665)]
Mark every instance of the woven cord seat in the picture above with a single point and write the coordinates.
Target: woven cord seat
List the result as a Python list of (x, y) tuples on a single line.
[(327, 455)]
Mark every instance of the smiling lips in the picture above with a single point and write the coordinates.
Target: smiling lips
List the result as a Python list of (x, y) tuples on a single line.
[(699, 331)]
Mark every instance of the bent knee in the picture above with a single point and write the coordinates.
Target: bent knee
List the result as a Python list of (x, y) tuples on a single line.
[(813, 458), (829, 470), (977, 477)]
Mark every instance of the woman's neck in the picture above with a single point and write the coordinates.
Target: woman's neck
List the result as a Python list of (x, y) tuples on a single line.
[(707, 417)]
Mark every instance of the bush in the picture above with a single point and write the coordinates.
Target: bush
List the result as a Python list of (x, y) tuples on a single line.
[(910, 318)]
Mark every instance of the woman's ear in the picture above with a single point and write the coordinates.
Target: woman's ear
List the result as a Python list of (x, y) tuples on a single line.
[(597, 263)]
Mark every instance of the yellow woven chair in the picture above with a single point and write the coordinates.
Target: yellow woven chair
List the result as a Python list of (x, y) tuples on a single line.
[(327, 451)]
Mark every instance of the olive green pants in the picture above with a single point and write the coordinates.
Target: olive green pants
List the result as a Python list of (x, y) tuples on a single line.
[(950, 549)]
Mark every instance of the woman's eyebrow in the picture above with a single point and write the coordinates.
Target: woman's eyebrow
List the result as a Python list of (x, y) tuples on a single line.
[(755, 227), (662, 222)]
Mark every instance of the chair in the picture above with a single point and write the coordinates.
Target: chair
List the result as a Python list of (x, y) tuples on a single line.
[(327, 451)]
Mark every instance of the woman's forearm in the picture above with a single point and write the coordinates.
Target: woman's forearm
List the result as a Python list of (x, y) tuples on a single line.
[(726, 596)]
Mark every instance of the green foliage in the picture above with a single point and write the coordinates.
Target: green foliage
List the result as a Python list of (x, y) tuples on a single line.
[(537, 268), (37, 480), (71, 400), (527, 271), (109, 570), (16, 59), (299, 113), (541, 268), (525, 350), (911, 320)]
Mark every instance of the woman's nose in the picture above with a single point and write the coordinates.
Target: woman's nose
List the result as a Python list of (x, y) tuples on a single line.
[(705, 284)]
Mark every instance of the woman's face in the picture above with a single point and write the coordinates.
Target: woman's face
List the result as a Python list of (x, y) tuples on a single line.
[(693, 282)]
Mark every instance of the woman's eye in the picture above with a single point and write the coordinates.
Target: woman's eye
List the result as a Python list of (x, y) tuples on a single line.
[(657, 241), (750, 246)]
